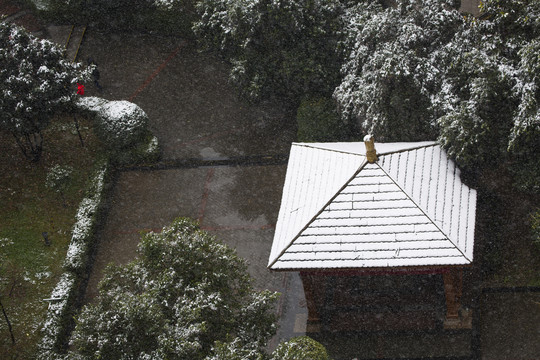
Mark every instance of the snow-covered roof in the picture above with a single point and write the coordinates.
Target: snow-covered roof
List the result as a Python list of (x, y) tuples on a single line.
[(409, 208)]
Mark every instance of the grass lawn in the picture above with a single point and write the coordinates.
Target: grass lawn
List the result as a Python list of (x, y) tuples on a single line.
[(29, 269)]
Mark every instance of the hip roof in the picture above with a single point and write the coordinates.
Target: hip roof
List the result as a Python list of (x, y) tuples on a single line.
[(409, 208)]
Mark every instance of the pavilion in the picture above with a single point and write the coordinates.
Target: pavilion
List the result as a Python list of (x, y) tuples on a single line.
[(374, 208)]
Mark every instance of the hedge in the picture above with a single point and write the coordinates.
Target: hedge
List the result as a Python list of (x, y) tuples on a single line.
[(63, 299)]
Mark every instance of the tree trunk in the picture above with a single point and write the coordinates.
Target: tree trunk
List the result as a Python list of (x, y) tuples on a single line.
[(34, 142), (78, 131), (8, 323)]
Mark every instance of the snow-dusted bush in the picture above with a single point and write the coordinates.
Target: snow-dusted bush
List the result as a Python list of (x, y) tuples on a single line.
[(123, 127), (58, 178), (300, 348), (62, 300), (283, 47), (85, 224), (121, 124), (90, 105), (492, 91), (58, 316)]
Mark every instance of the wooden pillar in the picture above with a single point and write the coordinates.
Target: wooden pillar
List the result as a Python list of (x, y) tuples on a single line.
[(453, 284), (314, 290)]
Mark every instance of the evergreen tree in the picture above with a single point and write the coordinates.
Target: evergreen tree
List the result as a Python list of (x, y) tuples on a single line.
[(288, 48), (393, 68), (185, 297), (35, 82)]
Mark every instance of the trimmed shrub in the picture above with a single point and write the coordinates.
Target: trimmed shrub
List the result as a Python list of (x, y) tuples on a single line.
[(121, 124), (318, 120), (58, 178), (300, 348), (63, 300), (146, 151), (57, 324)]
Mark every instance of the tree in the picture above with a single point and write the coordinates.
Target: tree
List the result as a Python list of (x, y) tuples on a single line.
[(286, 48), (493, 84), (36, 82), (186, 296), (393, 68), (418, 70)]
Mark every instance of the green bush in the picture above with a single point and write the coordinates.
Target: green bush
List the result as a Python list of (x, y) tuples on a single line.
[(172, 18), (318, 121), (300, 348)]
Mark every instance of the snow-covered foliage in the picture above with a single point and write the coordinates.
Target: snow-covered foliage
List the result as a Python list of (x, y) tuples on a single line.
[(122, 126), (121, 123), (64, 295), (58, 314), (165, 4), (35, 82), (393, 67), (300, 348), (85, 224), (42, 5), (284, 47), (183, 293), (492, 84), (90, 105), (419, 70)]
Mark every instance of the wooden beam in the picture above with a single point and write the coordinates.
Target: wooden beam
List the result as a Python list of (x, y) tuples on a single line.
[(453, 285), (314, 291)]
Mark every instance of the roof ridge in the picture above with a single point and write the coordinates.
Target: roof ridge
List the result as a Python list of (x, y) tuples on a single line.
[(326, 149), (423, 211), (432, 143), (317, 214), (419, 145)]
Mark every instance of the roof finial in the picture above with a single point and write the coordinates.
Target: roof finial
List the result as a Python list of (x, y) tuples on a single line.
[(371, 153)]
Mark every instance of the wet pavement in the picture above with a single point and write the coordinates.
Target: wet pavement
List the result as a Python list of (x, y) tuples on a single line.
[(195, 114), (192, 108)]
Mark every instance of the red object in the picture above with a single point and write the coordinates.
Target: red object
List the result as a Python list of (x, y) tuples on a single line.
[(80, 89)]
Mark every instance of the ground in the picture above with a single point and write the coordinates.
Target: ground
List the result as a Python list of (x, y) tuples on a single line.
[(196, 115)]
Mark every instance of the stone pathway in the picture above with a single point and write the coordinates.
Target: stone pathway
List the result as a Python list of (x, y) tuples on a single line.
[(196, 115)]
